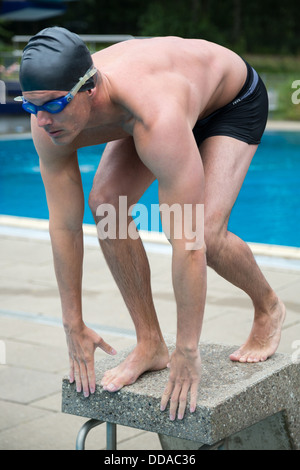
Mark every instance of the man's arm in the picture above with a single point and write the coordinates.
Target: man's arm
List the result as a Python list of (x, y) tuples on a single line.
[(62, 181), (168, 148)]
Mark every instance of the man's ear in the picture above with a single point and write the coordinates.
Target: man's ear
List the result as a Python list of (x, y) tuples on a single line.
[(91, 92)]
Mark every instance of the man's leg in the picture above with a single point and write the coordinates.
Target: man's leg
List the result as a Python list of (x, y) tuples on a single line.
[(226, 162), (121, 173)]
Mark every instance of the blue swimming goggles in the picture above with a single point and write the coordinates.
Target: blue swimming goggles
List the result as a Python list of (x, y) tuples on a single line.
[(56, 106)]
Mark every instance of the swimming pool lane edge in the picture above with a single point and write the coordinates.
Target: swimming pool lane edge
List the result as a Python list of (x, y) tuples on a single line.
[(276, 256)]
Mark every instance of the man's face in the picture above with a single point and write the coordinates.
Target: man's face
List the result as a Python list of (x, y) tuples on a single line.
[(64, 126)]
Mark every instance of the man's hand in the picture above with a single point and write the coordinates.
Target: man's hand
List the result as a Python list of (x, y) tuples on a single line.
[(185, 371), (82, 343)]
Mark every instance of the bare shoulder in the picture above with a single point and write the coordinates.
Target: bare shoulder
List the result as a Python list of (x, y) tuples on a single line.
[(144, 75)]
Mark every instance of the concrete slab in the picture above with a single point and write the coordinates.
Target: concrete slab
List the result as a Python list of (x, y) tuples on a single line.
[(232, 397)]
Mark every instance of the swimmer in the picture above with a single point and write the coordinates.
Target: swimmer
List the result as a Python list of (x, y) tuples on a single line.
[(187, 112)]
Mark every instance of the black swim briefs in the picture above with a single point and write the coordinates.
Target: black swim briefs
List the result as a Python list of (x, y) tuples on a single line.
[(244, 118)]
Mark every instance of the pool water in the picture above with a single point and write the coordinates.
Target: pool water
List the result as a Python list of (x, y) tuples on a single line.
[(266, 211)]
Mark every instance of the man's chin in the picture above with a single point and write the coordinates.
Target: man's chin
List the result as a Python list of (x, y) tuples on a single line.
[(61, 137)]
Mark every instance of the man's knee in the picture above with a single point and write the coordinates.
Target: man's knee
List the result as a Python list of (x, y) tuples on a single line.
[(102, 196), (214, 235)]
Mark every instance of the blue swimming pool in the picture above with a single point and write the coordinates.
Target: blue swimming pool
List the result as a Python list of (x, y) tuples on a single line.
[(266, 211)]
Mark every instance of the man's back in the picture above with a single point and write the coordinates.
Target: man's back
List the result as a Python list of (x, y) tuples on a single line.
[(203, 74)]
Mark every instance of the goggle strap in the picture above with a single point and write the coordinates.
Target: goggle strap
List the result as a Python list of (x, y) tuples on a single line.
[(92, 70)]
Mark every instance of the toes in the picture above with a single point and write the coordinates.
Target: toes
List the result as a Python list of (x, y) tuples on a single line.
[(248, 356), (236, 355), (107, 379), (114, 380), (243, 359), (253, 359), (263, 358), (113, 387)]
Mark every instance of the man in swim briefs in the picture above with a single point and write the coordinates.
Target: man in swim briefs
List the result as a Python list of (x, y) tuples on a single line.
[(186, 112)]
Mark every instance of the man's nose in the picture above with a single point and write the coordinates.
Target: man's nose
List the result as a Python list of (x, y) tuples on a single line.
[(43, 118)]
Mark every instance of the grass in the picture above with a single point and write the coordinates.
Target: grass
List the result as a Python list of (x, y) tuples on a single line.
[(278, 74), (271, 64)]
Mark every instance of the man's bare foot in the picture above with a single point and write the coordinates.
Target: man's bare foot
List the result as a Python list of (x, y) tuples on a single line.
[(143, 358), (264, 337)]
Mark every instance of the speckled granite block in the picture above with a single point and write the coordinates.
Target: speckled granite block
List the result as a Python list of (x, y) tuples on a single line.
[(232, 397)]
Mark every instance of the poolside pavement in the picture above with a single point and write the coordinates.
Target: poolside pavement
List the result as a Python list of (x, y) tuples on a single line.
[(33, 350)]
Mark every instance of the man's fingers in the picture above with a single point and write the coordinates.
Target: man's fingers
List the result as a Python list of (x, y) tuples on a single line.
[(71, 373), (84, 379), (183, 400), (81, 353), (91, 377), (105, 347), (174, 401), (84, 376), (194, 396), (166, 395), (177, 394), (77, 376)]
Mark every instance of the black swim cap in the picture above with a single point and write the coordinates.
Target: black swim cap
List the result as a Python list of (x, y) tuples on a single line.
[(55, 59)]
